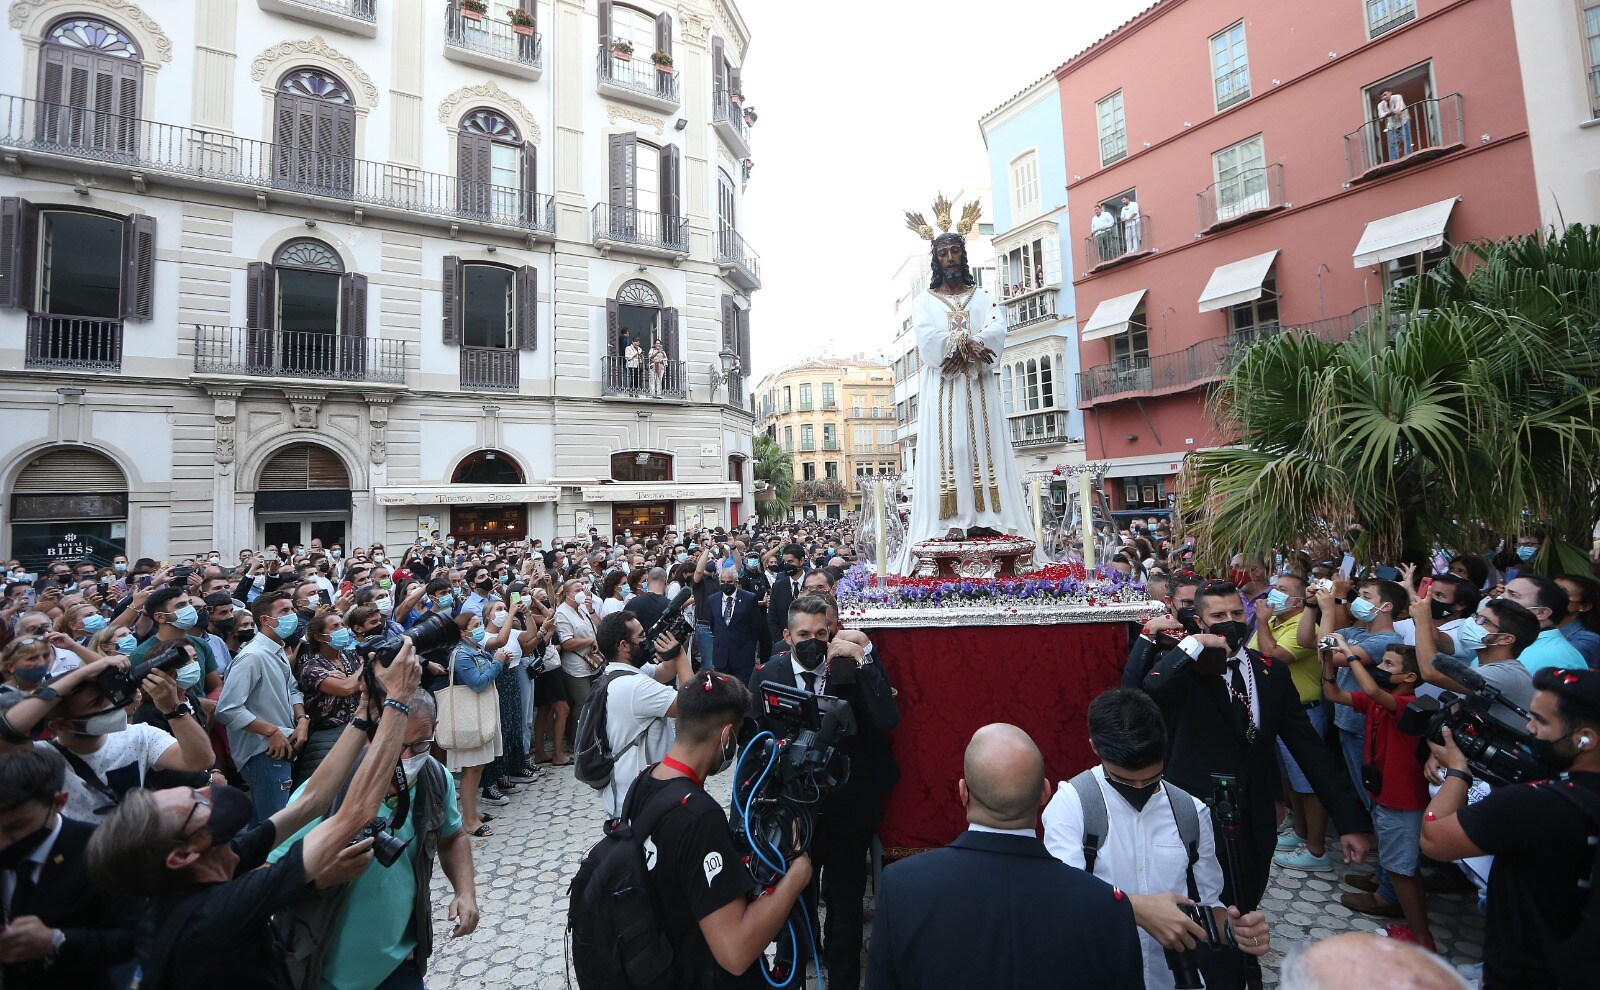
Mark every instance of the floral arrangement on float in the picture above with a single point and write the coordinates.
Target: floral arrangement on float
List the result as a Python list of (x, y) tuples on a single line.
[(1056, 584)]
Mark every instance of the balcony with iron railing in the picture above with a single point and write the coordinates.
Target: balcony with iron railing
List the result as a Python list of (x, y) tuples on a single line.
[(808, 446), (830, 445), (624, 228), (357, 17), (872, 449), (637, 80), (872, 412), (32, 132), (1123, 241), (1029, 310), (730, 123), (1030, 283), (490, 369), (617, 379), (738, 262), (1039, 429), (805, 405), (1249, 194), (73, 343), (498, 46), (1430, 129), (330, 356)]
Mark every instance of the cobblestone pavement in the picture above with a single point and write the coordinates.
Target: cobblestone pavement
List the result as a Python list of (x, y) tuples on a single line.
[(524, 868)]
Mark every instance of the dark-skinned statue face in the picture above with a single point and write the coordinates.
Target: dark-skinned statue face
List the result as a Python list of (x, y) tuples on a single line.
[(950, 262)]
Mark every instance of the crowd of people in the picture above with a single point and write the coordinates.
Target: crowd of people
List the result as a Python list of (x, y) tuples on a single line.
[(265, 803)]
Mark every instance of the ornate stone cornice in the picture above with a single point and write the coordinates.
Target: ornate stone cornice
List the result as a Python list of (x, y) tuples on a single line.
[(491, 91), (23, 10), (263, 63), (615, 113)]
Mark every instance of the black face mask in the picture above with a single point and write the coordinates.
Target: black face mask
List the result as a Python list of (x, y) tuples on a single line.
[(11, 856), (809, 653), (231, 809), (1544, 751), (728, 587), (1234, 632), (246, 636), (225, 625), (1382, 678), (1137, 796), (1186, 616), (1441, 611)]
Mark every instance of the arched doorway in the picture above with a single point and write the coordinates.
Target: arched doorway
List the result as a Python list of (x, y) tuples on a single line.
[(303, 494), (641, 518), (69, 503), (638, 315), (491, 522), (315, 133), (89, 80)]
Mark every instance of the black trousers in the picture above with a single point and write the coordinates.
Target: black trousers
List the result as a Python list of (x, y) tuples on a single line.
[(841, 864)]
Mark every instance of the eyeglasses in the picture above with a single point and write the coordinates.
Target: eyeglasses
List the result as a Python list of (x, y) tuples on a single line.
[(418, 748), (184, 835)]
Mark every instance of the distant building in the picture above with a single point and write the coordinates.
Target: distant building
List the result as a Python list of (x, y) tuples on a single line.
[(835, 419)]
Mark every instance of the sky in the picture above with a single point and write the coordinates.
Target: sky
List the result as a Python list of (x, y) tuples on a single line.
[(864, 115)]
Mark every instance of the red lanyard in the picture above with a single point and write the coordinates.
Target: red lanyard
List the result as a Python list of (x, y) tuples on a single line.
[(684, 769)]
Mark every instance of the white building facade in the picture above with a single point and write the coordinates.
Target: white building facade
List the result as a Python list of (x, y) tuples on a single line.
[(369, 269)]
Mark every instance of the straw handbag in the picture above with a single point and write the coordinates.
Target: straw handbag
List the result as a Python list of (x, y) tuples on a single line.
[(468, 719)]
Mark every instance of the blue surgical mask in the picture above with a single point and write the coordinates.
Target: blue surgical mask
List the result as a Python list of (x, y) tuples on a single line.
[(1527, 553), (185, 618), (445, 601), (479, 635), (1469, 636), (188, 676), (286, 625), (1362, 610), (127, 644), (120, 567), (625, 588), (1278, 600), (342, 639), (94, 623)]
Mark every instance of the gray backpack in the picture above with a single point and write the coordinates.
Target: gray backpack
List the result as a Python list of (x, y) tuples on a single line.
[(1096, 823)]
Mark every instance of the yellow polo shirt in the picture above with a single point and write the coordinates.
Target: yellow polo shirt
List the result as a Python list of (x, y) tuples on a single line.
[(1306, 667)]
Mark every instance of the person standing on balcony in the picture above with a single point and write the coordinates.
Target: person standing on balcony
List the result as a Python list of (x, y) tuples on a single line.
[(1396, 124), (1100, 225), (634, 356), (1130, 225), (658, 367)]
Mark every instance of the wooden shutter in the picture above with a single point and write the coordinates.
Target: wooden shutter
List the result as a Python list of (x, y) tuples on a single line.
[(743, 347), (613, 328), (52, 124), (669, 332), (623, 148), (261, 312), (452, 285), (605, 25), (730, 323), (139, 259), (304, 467), (70, 470), (335, 146), (733, 78), (719, 69), (671, 199), (352, 339), (473, 173), (19, 245), (664, 33), (527, 308), (530, 184)]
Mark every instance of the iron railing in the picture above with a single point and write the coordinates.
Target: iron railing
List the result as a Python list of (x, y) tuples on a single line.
[(149, 147), (298, 354), (873, 412), (732, 250), (1123, 239), (1430, 128), (490, 369), (629, 225), (487, 37), (616, 378), (1385, 15), (74, 343), (875, 449), (725, 111), (361, 10), (638, 75), (1029, 284), (1039, 428), (830, 445), (808, 445), (1030, 310), (1247, 194)]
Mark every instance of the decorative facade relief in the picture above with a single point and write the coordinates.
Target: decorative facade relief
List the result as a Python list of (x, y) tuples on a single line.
[(490, 91), (304, 407), (378, 423), (263, 63), (22, 12), (615, 113)]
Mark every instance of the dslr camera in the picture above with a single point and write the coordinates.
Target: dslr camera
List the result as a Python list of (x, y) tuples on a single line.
[(386, 847), (437, 631), (120, 686)]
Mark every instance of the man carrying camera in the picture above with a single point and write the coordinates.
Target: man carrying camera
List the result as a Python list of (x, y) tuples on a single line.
[(1540, 929), (263, 708), (1120, 822), (639, 700), (212, 896), (376, 929), (832, 665)]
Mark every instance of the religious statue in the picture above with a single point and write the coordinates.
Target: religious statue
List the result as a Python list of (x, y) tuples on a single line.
[(966, 483)]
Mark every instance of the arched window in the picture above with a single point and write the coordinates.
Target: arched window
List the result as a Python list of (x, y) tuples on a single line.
[(494, 521), (89, 79), (69, 503), (315, 133), (303, 494), (638, 316), (487, 467), (496, 169), (300, 305), (641, 465)]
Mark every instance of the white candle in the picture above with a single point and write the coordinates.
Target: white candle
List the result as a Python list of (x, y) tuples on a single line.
[(882, 534), (1087, 512), (1038, 515)]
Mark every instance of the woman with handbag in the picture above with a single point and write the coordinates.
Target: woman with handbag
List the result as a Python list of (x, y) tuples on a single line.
[(551, 705), (469, 717), (329, 675), (575, 622)]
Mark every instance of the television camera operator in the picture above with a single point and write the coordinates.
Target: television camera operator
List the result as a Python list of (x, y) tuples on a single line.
[(212, 898), (826, 664), (1540, 930)]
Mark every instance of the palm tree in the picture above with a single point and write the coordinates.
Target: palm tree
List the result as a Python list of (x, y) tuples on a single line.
[(1464, 410), (776, 468)]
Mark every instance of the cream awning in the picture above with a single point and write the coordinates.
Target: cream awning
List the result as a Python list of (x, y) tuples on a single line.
[(1404, 234), (465, 494), (665, 491), (1235, 283), (1111, 316)]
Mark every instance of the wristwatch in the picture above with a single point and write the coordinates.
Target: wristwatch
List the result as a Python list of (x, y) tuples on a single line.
[(183, 709), (57, 939), (1462, 775)]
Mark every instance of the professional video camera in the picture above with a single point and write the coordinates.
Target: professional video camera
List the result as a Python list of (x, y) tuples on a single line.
[(1496, 750), (120, 686), (671, 621)]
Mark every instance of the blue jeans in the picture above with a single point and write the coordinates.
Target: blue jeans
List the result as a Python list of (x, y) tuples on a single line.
[(702, 638), (269, 785), (1399, 141), (404, 977), (1355, 756)]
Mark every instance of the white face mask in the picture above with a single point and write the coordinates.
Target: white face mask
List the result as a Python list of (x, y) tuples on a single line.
[(412, 767), (385, 606), (496, 620), (105, 723)]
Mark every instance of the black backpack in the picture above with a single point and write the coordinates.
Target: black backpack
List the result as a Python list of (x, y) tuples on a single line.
[(616, 938), (592, 759), (1572, 960)]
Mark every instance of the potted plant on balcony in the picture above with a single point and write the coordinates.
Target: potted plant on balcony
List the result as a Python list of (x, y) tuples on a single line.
[(750, 116), (521, 21), (622, 50), (663, 61), (736, 96), (472, 10)]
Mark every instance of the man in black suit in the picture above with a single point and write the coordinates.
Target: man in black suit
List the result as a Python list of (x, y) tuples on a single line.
[(738, 637), (994, 909), (60, 931), (830, 665), (1146, 650), (1225, 708), (786, 588)]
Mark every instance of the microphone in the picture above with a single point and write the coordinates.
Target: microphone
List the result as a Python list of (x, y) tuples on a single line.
[(1452, 667)]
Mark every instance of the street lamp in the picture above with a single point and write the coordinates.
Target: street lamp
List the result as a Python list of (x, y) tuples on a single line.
[(723, 373)]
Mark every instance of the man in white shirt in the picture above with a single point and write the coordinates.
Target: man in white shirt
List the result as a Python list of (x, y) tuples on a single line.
[(640, 700), (1141, 848), (1396, 124), (1130, 224), (1100, 226)]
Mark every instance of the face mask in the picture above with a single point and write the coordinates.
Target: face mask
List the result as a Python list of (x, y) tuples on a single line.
[(1234, 632), (1278, 600), (682, 557), (1362, 610), (625, 588), (1136, 796), (450, 541), (213, 560), (29, 675), (1441, 611), (1382, 678), (286, 625), (730, 588), (1527, 553), (1470, 636), (224, 625), (809, 653), (94, 623), (385, 606), (246, 636), (104, 724), (445, 601), (188, 676), (13, 855), (120, 567), (127, 644), (497, 620), (479, 635), (412, 766), (728, 752), (1545, 752), (185, 618), (231, 809), (342, 639), (385, 584)]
